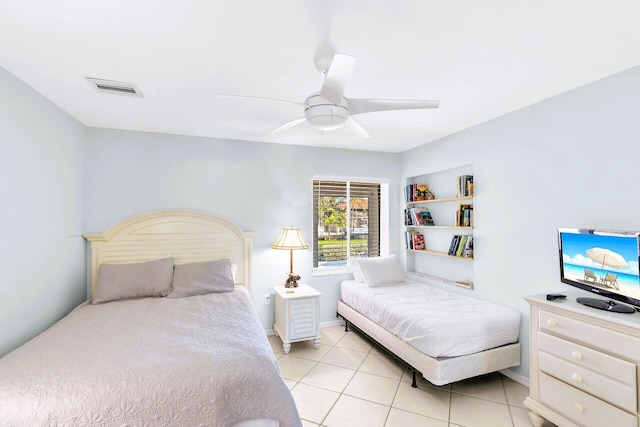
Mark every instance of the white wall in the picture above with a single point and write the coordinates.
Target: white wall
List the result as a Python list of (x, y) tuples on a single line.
[(42, 188), (260, 187), (570, 161)]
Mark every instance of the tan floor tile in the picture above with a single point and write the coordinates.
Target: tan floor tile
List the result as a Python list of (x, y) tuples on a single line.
[(352, 412), (426, 401), (474, 412), (373, 388), (294, 368), (520, 417), (382, 365), (332, 335), (313, 403), (351, 359), (487, 387), (516, 392), (370, 380), (307, 350), (330, 377), (398, 418), (354, 341)]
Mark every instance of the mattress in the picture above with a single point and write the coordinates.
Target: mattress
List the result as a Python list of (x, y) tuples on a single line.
[(199, 360), (436, 322)]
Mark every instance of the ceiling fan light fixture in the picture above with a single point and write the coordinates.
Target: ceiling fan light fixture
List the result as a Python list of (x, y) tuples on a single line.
[(326, 117)]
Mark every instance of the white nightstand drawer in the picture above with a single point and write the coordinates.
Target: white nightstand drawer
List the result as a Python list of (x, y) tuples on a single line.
[(594, 360), (582, 407), (594, 336), (302, 318), (615, 392)]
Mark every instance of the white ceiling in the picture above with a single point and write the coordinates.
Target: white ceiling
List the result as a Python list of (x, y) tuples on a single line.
[(481, 58)]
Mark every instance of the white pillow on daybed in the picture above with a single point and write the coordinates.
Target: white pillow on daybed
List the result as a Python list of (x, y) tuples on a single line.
[(381, 271)]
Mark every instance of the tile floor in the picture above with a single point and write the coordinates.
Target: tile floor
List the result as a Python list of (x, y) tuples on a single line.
[(351, 382)]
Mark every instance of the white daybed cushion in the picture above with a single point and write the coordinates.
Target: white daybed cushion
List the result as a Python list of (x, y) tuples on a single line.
[(437, 322)]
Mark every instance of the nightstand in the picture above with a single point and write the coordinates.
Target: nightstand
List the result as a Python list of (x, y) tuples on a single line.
[(297, 315)]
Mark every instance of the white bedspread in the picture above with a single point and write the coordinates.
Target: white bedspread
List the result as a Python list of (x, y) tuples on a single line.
[(436, 322), (201, 360)]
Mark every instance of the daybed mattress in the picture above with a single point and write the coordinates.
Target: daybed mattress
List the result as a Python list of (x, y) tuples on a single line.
[(436, 322), (199, 360)]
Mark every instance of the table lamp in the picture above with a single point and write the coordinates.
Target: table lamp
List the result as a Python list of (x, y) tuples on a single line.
[(291, 240)]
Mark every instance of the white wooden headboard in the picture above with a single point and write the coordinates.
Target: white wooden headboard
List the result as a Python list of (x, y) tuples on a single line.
[(186, 235)]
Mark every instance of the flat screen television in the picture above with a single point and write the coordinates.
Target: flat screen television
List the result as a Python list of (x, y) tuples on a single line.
[(603, 262)]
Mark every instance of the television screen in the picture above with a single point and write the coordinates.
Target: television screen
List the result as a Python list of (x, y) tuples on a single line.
[(602, 262)]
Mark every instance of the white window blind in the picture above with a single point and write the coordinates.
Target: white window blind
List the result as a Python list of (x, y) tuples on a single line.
[(346, 221)]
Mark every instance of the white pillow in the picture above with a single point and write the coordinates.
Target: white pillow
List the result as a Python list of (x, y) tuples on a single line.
[(381, 271), (356, 271)]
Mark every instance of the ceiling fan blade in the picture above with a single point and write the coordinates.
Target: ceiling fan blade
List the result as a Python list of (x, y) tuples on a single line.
[(353, 127), (261, 98), (359, 106), (287, 125), (337, 77)]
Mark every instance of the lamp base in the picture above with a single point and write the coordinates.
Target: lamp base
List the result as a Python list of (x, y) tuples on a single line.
[(292, 281)]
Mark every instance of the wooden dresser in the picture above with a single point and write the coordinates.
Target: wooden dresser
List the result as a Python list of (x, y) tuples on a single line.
[(585, 364)]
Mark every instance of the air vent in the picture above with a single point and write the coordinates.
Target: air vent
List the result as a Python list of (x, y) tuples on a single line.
[(118, 88)]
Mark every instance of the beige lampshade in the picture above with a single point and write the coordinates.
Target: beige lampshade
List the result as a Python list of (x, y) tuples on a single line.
[(290, 239)]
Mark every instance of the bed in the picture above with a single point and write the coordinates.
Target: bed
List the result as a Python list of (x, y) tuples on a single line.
[(191, 356), (445, 336)]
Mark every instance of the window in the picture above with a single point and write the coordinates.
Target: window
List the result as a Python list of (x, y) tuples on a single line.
[(348, 221)]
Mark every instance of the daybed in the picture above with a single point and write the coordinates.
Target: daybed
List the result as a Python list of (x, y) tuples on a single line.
[(445, 336), (198, 356)]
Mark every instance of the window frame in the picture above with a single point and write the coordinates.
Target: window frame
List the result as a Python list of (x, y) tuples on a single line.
[(383, 219)]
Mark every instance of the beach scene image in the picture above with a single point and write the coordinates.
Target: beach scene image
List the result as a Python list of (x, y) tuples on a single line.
[(608, 262)]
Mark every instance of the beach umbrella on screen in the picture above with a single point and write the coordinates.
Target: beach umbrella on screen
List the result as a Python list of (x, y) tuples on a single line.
[(606, 257)]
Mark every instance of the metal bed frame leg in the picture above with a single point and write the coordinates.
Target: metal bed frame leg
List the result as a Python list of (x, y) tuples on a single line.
[(414, 383), (346, 324)]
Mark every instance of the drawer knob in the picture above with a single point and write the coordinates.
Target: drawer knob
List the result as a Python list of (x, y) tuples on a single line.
[(577, 378), (551, 322), (576, 355), (578, 407)]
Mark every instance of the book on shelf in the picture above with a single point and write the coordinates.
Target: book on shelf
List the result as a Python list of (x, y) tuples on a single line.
[(414, 240), (427, 219), (417, 217), (415, 192), (461, 246), (465, 185), (464, 215)]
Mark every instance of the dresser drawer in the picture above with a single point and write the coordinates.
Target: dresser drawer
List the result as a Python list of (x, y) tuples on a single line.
[(600, 386), (591, 335), (582, 407), (604, 364)]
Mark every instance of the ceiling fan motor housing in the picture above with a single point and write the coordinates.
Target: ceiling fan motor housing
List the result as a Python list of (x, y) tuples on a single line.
[(324, 114)]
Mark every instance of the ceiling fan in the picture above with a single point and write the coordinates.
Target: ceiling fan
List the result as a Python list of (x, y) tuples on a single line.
[(329, 110)]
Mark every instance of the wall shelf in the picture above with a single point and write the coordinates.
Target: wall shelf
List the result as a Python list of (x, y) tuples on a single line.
[(451, 231), (440, 226), (438, 253), (445, 199)]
